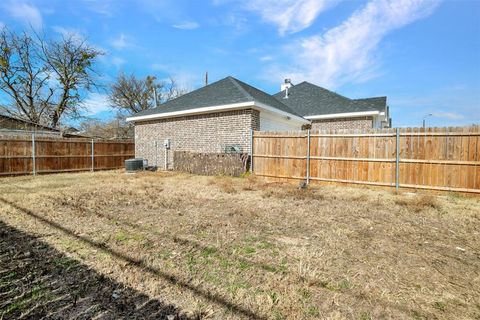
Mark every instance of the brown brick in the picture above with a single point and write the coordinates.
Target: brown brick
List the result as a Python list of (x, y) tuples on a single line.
[(343, 123), (207, 133)]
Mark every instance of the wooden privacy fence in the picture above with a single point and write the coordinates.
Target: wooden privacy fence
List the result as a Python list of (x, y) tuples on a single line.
[(433, 158), (32, 154)]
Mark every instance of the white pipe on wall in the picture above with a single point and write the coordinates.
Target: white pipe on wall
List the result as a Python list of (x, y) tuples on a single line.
[(166, 157)]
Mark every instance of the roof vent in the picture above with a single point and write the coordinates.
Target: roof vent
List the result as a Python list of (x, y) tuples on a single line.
[(287, 84)]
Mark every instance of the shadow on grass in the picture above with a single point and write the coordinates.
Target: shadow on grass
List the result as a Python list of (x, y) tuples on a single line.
[(215, 298), (198, 246), (37, 281)]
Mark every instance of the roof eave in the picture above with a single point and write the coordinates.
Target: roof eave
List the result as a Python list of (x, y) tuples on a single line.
[(343, 115), (219, 108), (291, 116)]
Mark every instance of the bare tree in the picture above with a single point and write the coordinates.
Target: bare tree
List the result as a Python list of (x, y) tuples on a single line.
[(45, 80), (130, 94), (116, 128)]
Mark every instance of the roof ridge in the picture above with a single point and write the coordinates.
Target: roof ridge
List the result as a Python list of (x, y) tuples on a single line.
[(242, 84), (338, 94), (377, 97), (162, 105), (240, 87)]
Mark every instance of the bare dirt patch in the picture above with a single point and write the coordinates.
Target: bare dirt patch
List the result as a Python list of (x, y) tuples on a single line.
[(228, 248)]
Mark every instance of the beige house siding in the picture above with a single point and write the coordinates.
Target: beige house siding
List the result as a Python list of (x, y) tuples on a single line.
[(209, 133), (343, 123)]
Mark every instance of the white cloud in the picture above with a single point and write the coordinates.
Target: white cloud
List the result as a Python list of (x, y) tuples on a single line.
[(188, 25), (69, 32), (103, 7), (117, 61), (27, 13), (266, 58), (290, 16), (121, 42), (162, 67), (184, 79), (96, 103), (449, 104), (348, 52), (448, 115)]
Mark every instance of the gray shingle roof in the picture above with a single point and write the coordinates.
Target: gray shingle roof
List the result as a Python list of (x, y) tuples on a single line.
[(308, 100), (377, 103), (223, 92), (265, 98)]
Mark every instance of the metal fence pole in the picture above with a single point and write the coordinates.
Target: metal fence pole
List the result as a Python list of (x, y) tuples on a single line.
[(33, 154), (93, 156), (397, 158), (251, 150), (308, 156)]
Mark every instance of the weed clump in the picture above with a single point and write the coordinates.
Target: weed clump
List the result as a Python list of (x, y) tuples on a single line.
[(418, 203), (225, 184), (290, 192), (250, 182)]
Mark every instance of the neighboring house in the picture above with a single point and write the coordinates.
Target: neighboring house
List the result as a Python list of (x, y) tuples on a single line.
[(220, 117), (12, 123)]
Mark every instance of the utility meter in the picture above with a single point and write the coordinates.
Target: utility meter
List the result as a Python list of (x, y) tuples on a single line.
[(166, 143)]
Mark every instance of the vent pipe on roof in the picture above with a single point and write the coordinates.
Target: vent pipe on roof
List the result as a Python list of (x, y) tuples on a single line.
[(287, 84)]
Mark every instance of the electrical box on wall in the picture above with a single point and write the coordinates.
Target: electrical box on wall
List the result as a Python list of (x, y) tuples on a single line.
[(166, 143)]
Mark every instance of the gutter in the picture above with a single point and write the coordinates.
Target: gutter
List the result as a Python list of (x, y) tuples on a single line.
[(343, 115), (227, 107)]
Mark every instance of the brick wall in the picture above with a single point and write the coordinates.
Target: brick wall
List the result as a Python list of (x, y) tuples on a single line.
[(343, 123), (208, 133)]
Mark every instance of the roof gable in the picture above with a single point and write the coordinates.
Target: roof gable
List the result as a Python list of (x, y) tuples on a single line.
[(223, 92), (260, 96)]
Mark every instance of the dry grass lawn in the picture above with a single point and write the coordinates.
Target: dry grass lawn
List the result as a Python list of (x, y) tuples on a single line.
[(112, 245)]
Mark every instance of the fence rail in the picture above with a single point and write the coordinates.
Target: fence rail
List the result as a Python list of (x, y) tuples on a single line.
[(20, 155), (445, 159)]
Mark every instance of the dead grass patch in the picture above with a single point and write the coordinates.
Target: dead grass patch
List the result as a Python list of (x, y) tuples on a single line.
[(250, 182), (242, 248), (418, 202), (288, 191), (223, 183)]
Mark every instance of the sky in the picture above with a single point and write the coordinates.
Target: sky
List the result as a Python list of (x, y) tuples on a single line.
[(423, 55)]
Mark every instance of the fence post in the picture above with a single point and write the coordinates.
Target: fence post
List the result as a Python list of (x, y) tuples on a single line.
[(397, 158), (251, 150), (93, 156), (33, 154), (308, 156)]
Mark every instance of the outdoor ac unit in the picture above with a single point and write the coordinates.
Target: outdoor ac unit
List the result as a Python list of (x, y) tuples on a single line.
[(233, 149)]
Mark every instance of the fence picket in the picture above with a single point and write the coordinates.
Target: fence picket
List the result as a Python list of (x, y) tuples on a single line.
[(60, 155), (433, 158)]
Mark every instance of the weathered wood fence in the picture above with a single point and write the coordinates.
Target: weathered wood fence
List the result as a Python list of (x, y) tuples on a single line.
[(40, 154), (433, 158)]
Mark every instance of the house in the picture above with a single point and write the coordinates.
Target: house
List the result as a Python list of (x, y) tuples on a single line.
[(329, 110), (12, 123), (219, 117)]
